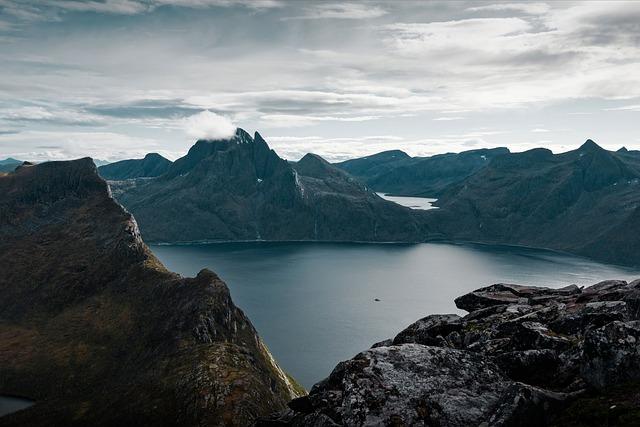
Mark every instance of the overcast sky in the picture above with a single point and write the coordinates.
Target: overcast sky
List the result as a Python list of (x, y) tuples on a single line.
[(116, 79)]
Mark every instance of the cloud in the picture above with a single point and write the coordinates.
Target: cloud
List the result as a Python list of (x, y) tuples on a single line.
[(341, 11), (530, 8), (208, 125), (540, 130), (447, 118), (625, 108)]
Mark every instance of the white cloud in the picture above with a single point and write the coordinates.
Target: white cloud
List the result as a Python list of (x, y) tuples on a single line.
[(208, 125), (540, 130), (625, 108), (530, 8), (341, 11), (447, 118)]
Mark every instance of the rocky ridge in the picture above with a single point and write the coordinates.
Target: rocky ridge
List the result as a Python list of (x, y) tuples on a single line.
[(98, 332), (240, 189), (523, 356)]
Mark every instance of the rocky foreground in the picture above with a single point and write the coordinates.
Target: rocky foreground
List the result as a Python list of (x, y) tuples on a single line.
[(98, 333), (523, 356)]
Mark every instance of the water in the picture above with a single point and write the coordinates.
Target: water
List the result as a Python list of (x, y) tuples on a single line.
[(422, 203), (314, 303), (9, 404)]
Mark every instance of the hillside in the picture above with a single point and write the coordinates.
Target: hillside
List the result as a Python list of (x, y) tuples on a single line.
[(395, 172), (240, 189), (151, 165), (584, 201), (98, 332)]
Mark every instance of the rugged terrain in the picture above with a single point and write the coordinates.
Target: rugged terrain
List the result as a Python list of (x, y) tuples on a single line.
[(395, 172), (153, 164), (240, 189), (98, 332), (585, 201), (523, 356)]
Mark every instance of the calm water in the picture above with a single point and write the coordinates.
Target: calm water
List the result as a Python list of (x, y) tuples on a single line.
[(313, 303), (422, 203)]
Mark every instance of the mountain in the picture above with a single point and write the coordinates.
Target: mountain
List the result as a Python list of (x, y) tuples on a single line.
[(585, 201), (99, 162), (397, 173), (239, 189), (523, 356), (98, 332), (9, 164), (152, 165)]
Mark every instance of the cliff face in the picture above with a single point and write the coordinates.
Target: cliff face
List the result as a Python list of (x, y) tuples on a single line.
[(523, 356), (98, 332), (584, 201), (239, 189)]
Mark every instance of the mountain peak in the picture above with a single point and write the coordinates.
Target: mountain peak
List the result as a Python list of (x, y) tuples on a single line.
[(151, 156), (590, 145), (623, 150)]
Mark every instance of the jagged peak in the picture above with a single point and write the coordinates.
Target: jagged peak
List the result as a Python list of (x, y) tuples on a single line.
[(590, 145), (623, 150)]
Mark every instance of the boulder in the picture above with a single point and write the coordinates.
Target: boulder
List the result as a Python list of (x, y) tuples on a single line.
[(612, 354)]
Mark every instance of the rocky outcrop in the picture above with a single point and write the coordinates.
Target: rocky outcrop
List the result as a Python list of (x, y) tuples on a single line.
[(98, 332), (523, 356), (240, 189)]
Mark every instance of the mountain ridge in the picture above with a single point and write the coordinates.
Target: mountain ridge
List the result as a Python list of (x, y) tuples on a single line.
[(97, 331), (240, 189)]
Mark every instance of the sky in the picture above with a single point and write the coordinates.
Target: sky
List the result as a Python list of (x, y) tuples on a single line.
[(116, 79)]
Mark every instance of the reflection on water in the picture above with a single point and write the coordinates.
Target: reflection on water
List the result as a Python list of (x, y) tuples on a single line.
[(315, 303), (421, 203), (9, 404)]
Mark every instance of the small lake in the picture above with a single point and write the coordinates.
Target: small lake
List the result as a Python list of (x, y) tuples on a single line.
[(314, 303), (421, 203), (9, 404)]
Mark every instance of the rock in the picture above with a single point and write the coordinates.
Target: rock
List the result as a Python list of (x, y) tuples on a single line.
[(520, 357), (523, 405), (410, 384), (612, 354), (429, 330), (504, 294), (535, 367)]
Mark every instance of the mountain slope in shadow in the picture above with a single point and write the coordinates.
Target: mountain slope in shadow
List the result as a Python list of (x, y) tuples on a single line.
[(98, 332)]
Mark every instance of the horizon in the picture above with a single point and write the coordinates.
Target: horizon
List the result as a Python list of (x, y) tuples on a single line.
[(102, 162), (117, 79)]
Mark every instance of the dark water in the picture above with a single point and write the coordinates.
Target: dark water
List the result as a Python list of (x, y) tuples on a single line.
[(9, 404), (313, 303)]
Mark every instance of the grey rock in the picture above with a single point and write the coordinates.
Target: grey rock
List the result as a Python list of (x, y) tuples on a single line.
[(612, 354)]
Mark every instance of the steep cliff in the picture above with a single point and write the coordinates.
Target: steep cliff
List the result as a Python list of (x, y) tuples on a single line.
[(98, 332)]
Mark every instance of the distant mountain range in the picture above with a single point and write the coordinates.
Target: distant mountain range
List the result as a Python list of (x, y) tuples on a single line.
[(9, 164), (99, 333), (152, 165), (585, 201), (395, 172), (239, 189)]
